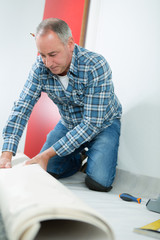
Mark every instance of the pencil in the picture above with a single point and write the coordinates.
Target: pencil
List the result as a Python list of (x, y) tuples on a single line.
[(32, 34)]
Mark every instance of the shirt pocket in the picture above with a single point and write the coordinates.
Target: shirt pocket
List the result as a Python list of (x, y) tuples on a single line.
[(56, 98), (77, 97)]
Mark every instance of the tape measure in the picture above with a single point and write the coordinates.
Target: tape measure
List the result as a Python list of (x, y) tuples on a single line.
[(150, 230), (152, 226)]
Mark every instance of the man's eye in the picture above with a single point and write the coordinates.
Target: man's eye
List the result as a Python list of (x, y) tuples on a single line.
[(52, 55)]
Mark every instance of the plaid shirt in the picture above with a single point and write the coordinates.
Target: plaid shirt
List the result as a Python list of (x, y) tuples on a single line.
[(87, 106)]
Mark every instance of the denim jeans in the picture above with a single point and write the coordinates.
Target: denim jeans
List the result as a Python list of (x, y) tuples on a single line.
[(102, 155)]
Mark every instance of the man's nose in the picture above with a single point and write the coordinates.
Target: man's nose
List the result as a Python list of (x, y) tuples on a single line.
[(48, 62)]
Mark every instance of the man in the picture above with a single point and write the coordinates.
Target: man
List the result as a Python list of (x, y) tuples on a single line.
[(79, 82)]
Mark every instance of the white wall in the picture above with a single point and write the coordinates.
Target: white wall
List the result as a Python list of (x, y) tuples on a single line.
[(17, 50), (127, 33)]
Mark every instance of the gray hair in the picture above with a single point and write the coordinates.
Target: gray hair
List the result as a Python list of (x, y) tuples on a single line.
[(56, 25)]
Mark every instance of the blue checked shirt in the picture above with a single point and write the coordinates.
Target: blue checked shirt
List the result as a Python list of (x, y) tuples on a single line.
[(87, 106)]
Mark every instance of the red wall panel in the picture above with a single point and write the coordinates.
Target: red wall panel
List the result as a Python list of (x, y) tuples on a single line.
[(45, 114), (70, 11)]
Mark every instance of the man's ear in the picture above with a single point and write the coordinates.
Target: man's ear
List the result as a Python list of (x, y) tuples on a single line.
[(71, 43)]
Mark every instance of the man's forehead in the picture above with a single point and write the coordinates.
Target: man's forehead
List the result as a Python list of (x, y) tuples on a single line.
[(47, 34)]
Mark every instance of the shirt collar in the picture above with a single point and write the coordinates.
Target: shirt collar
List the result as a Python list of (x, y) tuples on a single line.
[(74, 63)]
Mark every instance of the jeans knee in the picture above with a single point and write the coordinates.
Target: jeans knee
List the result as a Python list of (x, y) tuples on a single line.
[(54, 175), (95, 186)]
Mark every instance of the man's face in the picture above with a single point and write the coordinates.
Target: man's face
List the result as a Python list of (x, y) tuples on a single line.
[(55, 55)]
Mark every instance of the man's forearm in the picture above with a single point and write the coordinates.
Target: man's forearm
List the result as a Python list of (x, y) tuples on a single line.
[(7, 155), (5, 159), (42, 158)]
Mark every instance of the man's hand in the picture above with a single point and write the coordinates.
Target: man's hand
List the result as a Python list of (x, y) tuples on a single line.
[(5, 160), (42, 158)]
